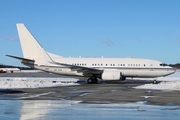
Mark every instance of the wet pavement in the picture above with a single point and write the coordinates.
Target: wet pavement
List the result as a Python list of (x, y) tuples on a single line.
[(75, 110), (107, 100)]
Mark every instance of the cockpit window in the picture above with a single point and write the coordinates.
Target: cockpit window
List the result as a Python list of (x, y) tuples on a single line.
[(163, 64)]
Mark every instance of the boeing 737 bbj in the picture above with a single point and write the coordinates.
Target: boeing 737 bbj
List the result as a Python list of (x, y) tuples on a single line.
[(91, 68)]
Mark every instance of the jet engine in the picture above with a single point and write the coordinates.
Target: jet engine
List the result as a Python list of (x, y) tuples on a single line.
[(111, 75)]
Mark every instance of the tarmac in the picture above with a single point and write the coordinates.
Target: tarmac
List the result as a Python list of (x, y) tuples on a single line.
[(104, 92)]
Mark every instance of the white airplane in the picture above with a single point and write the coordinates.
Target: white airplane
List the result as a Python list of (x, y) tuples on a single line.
[(91, 68)]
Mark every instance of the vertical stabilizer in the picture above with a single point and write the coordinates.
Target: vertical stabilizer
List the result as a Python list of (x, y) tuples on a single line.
[(31, 48)]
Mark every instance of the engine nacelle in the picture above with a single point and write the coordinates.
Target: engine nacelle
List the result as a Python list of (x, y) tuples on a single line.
[(111, 75)]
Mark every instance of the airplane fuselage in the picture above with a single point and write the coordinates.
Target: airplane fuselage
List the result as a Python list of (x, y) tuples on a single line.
[(129, 67)]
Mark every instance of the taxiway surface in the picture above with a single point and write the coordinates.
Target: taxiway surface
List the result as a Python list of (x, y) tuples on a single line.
[(106, 92)]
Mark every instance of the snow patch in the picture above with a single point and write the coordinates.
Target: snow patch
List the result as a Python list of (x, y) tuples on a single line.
[(173, 85), (9, 83)]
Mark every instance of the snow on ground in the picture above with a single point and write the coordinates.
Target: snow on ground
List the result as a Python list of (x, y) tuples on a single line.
[(165, 85), (12, 83), (28, 71), (171, 82)]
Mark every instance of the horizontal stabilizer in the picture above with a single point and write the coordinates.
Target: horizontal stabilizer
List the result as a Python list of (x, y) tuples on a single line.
[(19, 58)]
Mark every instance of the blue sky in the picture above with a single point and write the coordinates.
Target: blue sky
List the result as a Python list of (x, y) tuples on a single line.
[(94, 28)]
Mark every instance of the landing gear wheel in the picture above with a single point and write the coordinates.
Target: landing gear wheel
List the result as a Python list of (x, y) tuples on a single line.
[(123, 78), (154, 82), (92, 80)]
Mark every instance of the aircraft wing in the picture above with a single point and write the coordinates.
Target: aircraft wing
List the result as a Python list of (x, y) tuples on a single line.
[(85, 70)]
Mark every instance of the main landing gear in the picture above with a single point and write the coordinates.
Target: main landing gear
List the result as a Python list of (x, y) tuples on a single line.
[(123, 78), (92, 80)]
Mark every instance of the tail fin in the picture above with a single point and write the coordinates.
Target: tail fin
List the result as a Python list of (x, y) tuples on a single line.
[(31, 48)]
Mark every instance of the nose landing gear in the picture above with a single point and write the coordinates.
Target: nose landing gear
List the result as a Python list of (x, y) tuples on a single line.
[(155, 81)]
